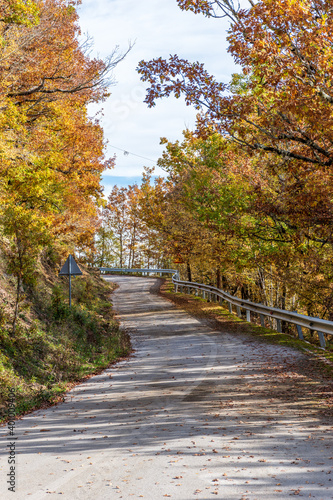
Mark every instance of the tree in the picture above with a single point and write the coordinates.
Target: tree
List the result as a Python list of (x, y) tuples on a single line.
[(29, 232), (285, 51), (214, 217), (117, 219), (279, 108), (106, 246)]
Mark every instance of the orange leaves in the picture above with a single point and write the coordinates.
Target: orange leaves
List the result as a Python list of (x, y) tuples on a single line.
[(209, 8), (287, 49), (283, 104), (49, 61), (196, 6)]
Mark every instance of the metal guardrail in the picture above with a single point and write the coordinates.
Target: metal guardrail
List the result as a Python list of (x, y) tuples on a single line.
[(134, 270), (320, 325)]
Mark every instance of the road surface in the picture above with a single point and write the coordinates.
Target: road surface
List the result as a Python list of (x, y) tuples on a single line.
[(193, 414)]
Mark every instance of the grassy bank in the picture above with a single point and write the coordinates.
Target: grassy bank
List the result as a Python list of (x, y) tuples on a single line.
[(54, 346)]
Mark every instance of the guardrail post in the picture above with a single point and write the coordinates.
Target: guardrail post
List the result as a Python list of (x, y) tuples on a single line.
[(221, 300), (230, 307), (262, 320), (322, 339), (203, 294), (278, 325), (239, 313), (299, 332), (248, 315)]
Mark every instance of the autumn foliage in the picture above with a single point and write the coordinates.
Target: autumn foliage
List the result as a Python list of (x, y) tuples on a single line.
[(255, 178), (52, 152), (129, 234)]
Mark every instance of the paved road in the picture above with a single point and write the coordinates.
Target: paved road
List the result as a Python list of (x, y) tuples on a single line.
[(194, 414)]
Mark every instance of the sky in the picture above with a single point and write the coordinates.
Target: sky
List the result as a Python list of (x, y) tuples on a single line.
[(157, 28)]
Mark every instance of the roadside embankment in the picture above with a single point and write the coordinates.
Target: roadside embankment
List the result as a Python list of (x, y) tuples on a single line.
[(54, 346)]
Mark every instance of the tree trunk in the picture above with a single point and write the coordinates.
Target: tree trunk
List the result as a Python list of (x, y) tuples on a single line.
[(283, 306), (245, 292), (121, 251), (218, 279), (189, 273), (262, 285), (103, 249), (133, 246), (18, 293)]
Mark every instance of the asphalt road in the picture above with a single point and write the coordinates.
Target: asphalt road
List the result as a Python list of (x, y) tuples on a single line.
[(193, 414)]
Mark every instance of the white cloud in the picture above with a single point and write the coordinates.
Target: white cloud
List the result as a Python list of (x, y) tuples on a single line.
[(158, 29)]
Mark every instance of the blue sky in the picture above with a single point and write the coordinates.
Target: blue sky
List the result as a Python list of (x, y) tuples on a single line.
[(158, 29)]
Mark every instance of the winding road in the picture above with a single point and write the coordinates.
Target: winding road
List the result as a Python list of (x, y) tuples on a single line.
[(193, 414)]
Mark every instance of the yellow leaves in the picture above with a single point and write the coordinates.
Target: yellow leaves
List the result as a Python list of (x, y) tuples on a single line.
[(52, 154), (20, 12)]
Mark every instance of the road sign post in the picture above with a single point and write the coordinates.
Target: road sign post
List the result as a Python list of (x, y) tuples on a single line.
[(70, 268), (70, 282)]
